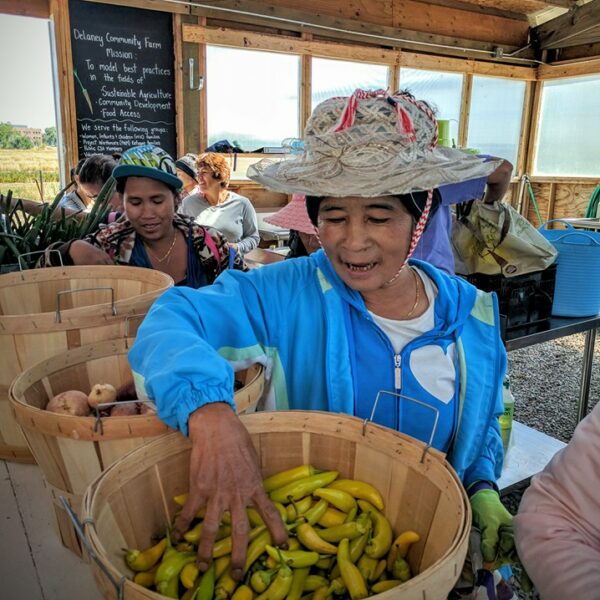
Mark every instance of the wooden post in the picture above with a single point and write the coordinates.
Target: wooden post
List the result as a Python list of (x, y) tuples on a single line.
[(59, 14), (465, 110), (178, 64), (305, 87), (203, 112)]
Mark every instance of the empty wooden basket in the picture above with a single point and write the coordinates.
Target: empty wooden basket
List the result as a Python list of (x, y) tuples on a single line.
[(133, 500), (71, 451), (44, 312)]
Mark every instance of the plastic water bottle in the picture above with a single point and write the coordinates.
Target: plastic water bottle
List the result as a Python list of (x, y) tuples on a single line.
[(506, 418)]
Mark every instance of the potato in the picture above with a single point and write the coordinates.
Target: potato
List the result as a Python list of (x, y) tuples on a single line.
[(71, 402), (102, 393), (146, 408), (126, 409)]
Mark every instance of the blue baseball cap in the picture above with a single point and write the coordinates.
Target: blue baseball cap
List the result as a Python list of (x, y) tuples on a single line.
[(149, 161)]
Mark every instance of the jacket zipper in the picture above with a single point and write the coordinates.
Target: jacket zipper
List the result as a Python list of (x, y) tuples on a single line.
[(397, 372)]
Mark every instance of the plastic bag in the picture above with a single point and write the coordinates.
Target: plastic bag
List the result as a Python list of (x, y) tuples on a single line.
[(495, 239)]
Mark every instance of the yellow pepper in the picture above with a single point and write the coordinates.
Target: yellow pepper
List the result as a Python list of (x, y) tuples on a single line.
[(332, 517), (303, 487), (350, 530), (298, 579), (280, 586), (311, 539), (359, 489), (381, 540), (384, 586), (352, 577), (143, 561), (145, 578), (339, 498), (294, 558), (286, 477), (243, 592)]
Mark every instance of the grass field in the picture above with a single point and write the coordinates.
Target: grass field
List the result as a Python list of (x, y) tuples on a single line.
[(19, 170)]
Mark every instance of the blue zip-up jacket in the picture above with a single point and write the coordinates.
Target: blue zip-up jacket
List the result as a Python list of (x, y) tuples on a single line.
[(312, 333)]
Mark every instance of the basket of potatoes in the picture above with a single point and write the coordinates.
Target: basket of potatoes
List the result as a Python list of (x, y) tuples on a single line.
[(78, 413)]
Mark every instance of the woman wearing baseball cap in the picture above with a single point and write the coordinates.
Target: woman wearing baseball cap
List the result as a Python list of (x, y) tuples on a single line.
[(151, 234)]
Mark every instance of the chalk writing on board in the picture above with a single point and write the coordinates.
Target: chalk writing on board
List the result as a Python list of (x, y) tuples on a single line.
[(123, 75)]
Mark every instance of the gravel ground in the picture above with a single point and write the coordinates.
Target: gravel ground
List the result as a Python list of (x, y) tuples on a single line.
[(544, 380)]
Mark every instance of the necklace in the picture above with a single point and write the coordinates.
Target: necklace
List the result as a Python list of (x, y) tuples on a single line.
[(418, 294), (168, 251)]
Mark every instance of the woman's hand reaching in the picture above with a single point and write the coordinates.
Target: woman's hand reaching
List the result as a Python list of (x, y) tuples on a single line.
[(225, 476)]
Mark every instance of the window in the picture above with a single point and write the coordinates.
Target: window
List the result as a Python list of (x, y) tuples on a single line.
[(252, 97), (495, 116), (340, 78), (442, 91), (569, 128)]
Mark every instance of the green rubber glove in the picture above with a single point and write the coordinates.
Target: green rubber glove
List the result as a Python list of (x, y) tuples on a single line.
[(495, 524)]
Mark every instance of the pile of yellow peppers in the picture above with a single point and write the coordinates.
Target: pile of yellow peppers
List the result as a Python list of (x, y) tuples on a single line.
[(340, 544)]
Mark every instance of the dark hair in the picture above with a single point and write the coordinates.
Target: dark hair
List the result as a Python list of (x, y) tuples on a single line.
[(76, 169), (97, 169), (123, 180), (414, 203)]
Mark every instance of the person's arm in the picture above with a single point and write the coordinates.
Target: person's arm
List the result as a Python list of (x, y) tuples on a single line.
[(497, 183), (250, 235), (488, 189), (558, 524), (32, 207), (192, 386)]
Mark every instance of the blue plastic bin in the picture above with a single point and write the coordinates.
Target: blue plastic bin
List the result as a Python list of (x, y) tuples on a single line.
[(577, 292)]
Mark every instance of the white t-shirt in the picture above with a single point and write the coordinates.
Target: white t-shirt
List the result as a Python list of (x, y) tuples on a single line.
[(402, 332)]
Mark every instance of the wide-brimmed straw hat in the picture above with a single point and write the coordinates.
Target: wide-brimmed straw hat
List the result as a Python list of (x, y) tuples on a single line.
[(370, 144), (293, 216)]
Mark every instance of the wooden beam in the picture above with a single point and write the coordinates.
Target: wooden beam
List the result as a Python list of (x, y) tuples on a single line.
[(257, 12), (581, 25), (31, 8), (287, 44), (430, 62), (576, 68), (492, 8), (160, 5), (441, 20)]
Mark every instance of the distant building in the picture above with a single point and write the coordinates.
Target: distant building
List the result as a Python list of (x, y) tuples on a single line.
[(35, 134)]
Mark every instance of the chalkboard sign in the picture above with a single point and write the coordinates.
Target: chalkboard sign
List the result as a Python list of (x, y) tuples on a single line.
[(123, 67)]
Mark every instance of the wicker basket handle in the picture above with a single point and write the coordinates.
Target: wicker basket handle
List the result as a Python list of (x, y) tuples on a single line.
[(119, 585), (128, 320), (47, 252), (369, 419), (57, 317)]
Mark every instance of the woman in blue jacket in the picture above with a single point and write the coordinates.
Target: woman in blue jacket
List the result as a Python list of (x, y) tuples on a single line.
[(338, 327)]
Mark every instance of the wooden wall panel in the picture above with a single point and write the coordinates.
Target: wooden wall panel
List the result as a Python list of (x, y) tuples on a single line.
[(379, 12), (30, 8), (442, 20), (560, 199), (571, 199)]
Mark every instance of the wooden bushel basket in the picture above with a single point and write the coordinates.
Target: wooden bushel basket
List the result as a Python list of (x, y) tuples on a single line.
[(72, 451), (44, 312), (133, 500)]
